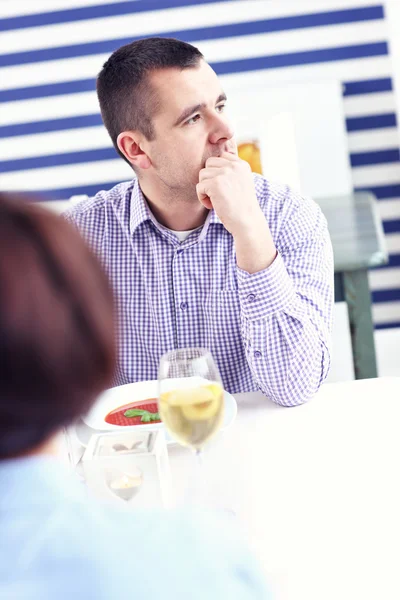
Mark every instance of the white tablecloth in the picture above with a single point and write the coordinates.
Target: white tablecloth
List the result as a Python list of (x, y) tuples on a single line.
[(316, 489)]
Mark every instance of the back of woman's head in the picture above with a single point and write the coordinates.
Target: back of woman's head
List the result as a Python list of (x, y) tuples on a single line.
[(57, 346)]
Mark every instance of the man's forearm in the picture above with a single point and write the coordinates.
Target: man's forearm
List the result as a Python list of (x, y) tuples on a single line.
[(287, 356), (255, 248)]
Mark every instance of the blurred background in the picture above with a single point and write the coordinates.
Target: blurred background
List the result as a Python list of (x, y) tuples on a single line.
[(313, 89)]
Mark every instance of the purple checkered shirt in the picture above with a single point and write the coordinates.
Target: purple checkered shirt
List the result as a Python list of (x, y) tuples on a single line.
[(267, 331)]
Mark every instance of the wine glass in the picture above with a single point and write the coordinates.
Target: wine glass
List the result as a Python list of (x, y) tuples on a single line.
[(190, 398)]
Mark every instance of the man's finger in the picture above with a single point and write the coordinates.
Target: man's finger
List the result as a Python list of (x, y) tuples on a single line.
[(208, 173), (201, 189), (216, 162), (232, 157), (226, 158)]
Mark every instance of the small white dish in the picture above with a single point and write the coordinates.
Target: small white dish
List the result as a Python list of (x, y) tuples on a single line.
[(94, 420), (119, 396)]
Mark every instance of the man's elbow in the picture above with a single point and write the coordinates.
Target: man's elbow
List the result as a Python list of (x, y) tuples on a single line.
[(300, 384), (292, 395)]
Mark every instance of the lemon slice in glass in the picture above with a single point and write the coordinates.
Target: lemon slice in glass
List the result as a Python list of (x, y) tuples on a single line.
[(197, 404)]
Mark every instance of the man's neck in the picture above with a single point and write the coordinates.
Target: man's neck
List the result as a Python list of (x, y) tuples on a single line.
[(178, 214)]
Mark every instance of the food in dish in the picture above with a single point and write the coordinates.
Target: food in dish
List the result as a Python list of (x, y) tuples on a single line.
[(135, 413)]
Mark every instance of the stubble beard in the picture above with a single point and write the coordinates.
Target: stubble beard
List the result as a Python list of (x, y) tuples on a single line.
[(176, 191)]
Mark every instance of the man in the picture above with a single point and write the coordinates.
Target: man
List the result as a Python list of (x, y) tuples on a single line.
[(202, 252)]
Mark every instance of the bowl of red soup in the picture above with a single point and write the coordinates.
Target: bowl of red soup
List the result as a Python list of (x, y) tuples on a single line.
[(131, 405), (136, 405)]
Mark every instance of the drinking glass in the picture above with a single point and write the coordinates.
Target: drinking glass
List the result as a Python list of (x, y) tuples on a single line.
[(191, 399)]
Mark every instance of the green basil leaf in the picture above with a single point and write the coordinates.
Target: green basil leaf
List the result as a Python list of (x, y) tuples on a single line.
[(146, 416), (134, 412)]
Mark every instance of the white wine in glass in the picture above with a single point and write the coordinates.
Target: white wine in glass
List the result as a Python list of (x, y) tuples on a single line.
[(191, 396)]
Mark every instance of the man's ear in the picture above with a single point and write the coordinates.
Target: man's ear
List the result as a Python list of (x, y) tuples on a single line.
[(129, 143)]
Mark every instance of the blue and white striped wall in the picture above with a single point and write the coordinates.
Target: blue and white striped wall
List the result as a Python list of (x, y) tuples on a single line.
[(51, 136)]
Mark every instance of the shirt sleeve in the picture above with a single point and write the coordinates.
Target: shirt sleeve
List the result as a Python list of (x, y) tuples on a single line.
[(287, 309), (91, 226)]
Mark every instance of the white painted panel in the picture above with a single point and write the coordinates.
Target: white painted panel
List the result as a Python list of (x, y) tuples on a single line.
[(67, 176), (373, 139), (55, 142), (28, 111), (160, 21), (54, 71), (246, 46), (297, 40), (372, 175), (343, 70), (393, 243), (389, 209), (86, 67), (279, 149), (25, 111), (320, 142), (392, 14), (386, 312), (369, 104), (384, 279), (27, 7)]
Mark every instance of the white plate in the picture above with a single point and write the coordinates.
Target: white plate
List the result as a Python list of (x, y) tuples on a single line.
[(132, 392)]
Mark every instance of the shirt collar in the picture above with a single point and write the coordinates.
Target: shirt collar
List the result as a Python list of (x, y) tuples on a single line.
[(214, 218), (140, 211)]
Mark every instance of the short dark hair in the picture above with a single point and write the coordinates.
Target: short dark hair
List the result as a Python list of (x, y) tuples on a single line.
[(57, 330), (125, 96)]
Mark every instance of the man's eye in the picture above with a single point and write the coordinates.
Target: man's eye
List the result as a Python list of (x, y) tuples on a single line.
[(221, 107), (192, 120)]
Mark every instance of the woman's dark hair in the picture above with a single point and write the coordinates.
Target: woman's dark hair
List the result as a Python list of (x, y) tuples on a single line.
[(57, 332), (126, 99)]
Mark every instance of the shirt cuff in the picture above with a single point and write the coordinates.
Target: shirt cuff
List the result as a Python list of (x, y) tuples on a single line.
[(266, 292)]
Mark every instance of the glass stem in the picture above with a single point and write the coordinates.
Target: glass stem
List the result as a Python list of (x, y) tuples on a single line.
[(199, 458), (195, 491), (200, 478)]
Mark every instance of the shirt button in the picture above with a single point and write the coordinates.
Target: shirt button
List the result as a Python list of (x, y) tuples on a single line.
[(257, 354), (184, 306), (251, 298)]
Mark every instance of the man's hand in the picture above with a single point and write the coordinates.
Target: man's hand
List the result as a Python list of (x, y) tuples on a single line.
[(226, 185)]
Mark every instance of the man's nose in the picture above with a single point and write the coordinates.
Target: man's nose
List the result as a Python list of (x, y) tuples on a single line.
[(221, 130)]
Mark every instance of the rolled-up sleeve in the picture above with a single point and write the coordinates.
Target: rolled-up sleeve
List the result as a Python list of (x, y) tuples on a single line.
[(286, 309)]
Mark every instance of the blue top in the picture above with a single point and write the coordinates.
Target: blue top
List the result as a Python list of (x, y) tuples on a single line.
[(57, 543)]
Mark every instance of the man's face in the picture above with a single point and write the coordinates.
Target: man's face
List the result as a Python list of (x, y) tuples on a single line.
[(189, 127)]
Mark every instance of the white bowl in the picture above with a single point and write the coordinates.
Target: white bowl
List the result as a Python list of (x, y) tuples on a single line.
[(132, 392)]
